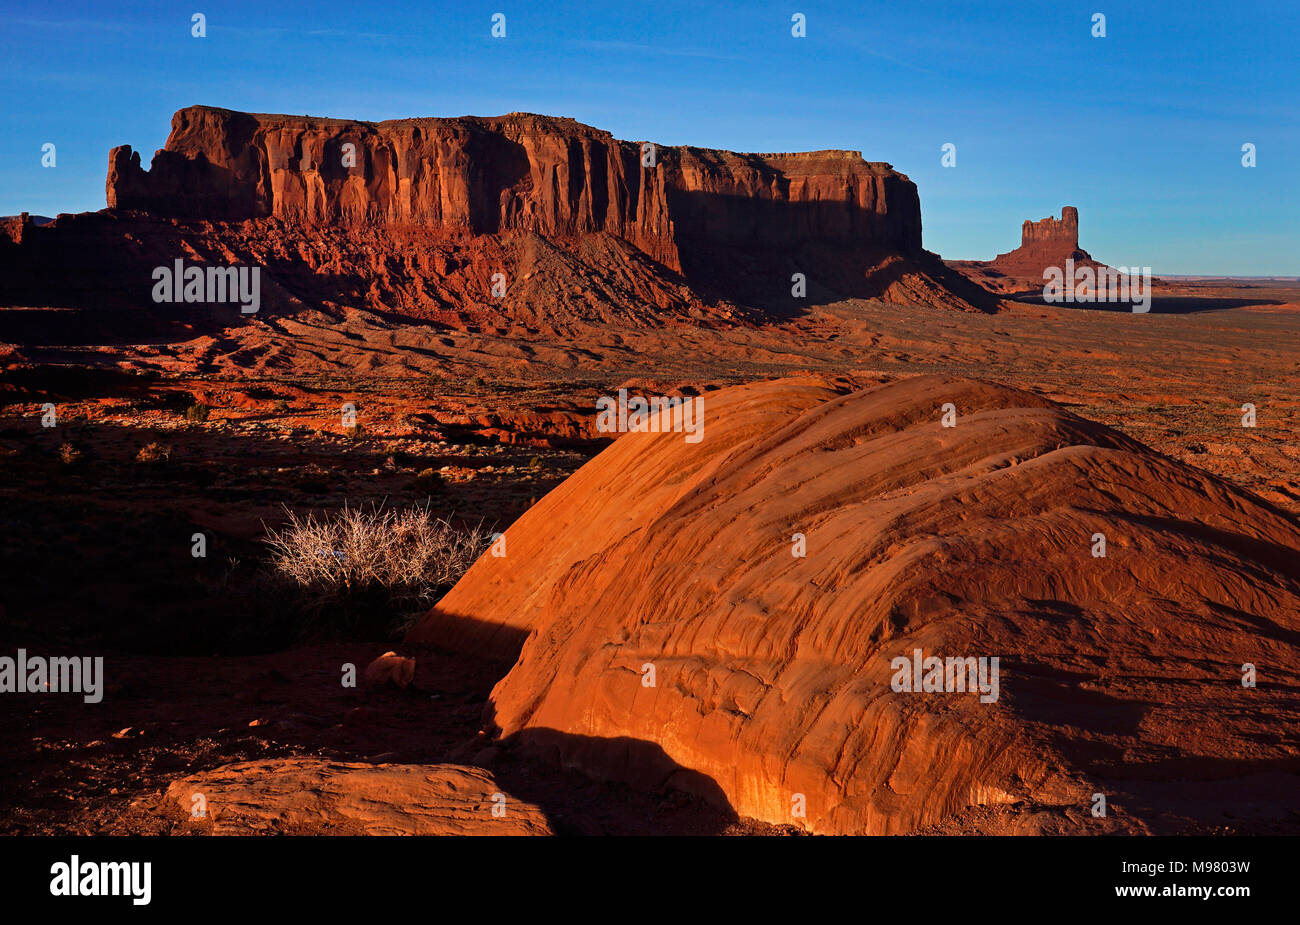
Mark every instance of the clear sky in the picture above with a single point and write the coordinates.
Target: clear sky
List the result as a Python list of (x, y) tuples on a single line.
[(1142, 129)]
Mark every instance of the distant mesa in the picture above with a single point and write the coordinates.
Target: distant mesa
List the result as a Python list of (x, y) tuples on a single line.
[(739, 604), (37, 220), (515, 173), (585, 228), (14, 229)]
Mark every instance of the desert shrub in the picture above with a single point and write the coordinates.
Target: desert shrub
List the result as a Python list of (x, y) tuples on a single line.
[(153, 453), (399, 456), (355, 432), (375, 568), (314, 479), (429, 482), (535, 463), (69, 454), (197, 413), (281, 405)]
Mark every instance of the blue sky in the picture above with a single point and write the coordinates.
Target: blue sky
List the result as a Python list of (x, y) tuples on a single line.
[(1142, 129)]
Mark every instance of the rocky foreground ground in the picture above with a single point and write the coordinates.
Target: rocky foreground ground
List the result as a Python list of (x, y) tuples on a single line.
[(97, 536)]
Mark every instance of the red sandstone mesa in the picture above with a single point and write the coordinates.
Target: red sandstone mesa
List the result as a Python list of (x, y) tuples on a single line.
[(415, 218), (773, 671), (519, 172), (417, 214)]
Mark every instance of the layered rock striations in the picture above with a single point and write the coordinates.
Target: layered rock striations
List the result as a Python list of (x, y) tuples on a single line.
[(306, 795), (517, 225), (514, 173), (725, 616)]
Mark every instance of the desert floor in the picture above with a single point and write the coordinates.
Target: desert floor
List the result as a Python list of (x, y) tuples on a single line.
[(203, 671)]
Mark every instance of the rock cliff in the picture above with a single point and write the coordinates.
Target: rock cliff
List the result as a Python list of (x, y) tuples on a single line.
[(1051, 231), (1045, 243), (513, 173), (1049, 242)]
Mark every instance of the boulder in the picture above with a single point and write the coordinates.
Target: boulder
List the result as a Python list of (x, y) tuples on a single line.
[(740, 606), (316, 796)]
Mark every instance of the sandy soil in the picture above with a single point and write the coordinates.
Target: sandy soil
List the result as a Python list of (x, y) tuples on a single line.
[(96, 548)]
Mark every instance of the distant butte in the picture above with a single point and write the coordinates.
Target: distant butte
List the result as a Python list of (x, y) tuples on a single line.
[(1048, 242)]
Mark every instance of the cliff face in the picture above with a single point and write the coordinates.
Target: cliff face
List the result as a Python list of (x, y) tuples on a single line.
[(1053, 232), (1049, 242), (519, 172), (1045, 243)]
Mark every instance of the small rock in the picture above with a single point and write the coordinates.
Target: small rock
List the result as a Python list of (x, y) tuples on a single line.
[(390, 667)]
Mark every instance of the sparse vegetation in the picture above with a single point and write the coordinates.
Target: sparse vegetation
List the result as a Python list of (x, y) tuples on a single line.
[(314, 479), (371, 566), (355, 432), (68, 454), (154, 454), (197, 413), (428, 482)]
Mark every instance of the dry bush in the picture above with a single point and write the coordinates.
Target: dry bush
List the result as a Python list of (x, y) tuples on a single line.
[(360, 564), (428, 482), (153, 453), (69, 454), (197, 413)]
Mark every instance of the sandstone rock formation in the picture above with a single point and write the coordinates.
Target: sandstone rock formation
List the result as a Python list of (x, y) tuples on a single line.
[(419, 214), (1063, 231), (1046, 243), (316, 796), (519, 172), (658, 597), (390, 668), (1049, 242), (518, 224)]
